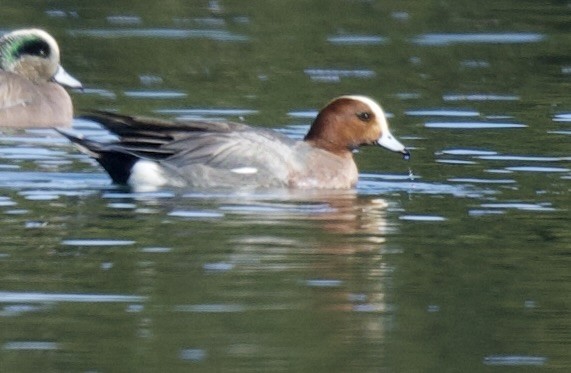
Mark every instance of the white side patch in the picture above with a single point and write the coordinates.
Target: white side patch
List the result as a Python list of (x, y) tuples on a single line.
[(245, 170), (146, 176)]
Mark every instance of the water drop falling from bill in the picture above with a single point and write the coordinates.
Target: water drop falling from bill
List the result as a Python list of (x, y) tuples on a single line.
[(410, 174)]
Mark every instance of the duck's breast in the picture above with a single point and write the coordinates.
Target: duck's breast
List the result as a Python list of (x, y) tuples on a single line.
[(319, 169), (25, 104)]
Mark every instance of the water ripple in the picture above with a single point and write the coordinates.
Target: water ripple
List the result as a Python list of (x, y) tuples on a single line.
[(124, 20), (63, 183), (473, 125), (357, 39), (528, 158), (306, 114), (519, 206), (324, 283), (470, 152), (155, 94), (368, 186), (195, 214), (99, 92), (471, 38), (563, 117), (335, 75), (31, 345), (538, 169), (515, 360), (97, 242), (428, 218), (482, 181), (162, 33), (210, 308), (442, 113), (479, 97), (193, 354), (19, 297)]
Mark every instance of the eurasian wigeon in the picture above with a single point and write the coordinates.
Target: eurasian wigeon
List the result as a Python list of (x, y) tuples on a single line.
[(152, 153), (30, 78)]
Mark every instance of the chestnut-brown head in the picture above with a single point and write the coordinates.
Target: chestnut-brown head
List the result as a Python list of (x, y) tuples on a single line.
[(348, 122)]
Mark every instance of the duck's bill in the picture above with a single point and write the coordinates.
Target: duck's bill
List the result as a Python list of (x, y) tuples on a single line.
[(388, 141), (63, 78)]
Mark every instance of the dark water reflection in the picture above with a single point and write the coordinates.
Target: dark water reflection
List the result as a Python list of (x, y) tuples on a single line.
[(457, 260), (180, 268)]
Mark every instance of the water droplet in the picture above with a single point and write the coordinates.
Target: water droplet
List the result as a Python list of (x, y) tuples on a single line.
[(433, 308), (192, 354), (410, 174)]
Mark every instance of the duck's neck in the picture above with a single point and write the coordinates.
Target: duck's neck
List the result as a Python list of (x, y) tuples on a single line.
[(330, 146), (326, 132)]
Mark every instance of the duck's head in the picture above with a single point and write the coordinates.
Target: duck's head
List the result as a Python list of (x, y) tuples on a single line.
[(34, 54), (348, 122)]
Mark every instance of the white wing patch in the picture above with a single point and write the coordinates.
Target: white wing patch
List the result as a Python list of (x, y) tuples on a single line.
[(245, 170)]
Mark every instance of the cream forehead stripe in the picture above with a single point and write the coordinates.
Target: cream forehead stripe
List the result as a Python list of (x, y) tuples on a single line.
[(41, 34), (375, 108)]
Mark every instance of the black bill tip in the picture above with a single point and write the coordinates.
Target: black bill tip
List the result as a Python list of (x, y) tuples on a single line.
[(406, 154)]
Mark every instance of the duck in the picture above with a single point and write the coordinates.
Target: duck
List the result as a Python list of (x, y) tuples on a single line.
[(152, 153), (31, 80)]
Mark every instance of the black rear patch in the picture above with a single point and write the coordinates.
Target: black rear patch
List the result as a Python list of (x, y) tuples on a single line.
[(118, 165)]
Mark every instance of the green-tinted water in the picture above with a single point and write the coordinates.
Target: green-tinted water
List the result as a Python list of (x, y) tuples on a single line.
[(463, 266)]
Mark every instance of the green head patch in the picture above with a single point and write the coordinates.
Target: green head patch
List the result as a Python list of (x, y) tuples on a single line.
[(14, 47)]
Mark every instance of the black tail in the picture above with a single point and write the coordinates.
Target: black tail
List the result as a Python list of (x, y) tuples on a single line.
[(116, 161)]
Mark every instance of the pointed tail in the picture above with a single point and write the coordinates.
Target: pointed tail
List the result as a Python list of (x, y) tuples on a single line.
[(116, 161)]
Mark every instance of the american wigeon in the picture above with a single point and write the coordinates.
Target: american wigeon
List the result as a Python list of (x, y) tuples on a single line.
[(30, 78), (152, 153)]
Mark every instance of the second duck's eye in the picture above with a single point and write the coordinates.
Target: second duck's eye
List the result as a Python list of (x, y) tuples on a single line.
[(34, 47), (364, 116)]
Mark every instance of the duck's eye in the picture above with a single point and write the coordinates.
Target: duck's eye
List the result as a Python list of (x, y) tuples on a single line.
[(364, 116), (34, 47)]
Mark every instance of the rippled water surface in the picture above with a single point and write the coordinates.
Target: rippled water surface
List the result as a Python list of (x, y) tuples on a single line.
[(457, 260)]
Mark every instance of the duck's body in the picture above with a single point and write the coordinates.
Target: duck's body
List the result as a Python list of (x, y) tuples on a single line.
[(153, 153), (31, 94)]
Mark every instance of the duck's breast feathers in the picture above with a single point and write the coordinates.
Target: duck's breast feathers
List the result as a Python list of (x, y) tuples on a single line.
[(25, 104), (15, 91)]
